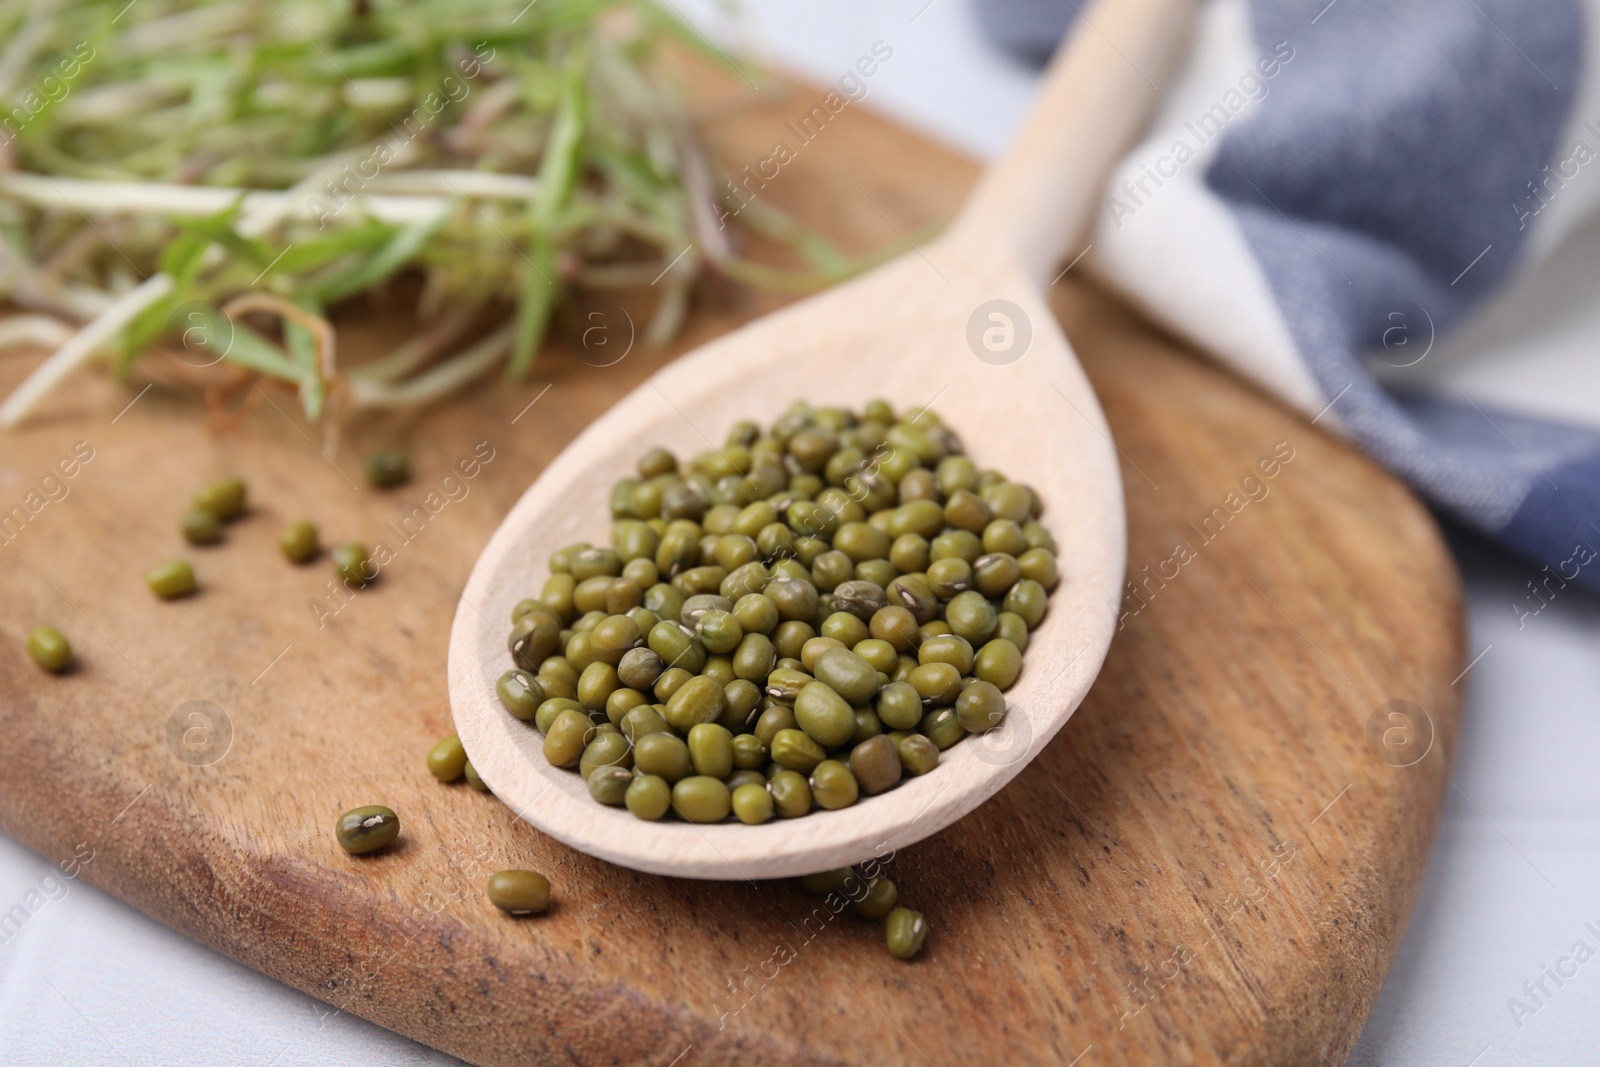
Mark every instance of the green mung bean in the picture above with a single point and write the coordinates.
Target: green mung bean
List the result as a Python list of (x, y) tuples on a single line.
[(388, 468), (519, 892), (752, 804), (49, 649), (171, 580), (648, 797), (224, 499), (904, 932), (366, 829), (200, 527), (298, 542), (447, 759), (353, 565), (876, 902)]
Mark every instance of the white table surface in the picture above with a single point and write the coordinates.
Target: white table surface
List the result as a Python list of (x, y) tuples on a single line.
[(1513, 880)]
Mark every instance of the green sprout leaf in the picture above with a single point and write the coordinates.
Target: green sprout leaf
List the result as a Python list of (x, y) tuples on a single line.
[(558, 174)]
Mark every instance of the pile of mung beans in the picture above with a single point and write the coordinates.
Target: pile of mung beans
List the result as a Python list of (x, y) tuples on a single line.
[(791, 621)]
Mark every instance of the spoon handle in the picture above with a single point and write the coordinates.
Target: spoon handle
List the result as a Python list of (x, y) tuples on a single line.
[(1096, 98)]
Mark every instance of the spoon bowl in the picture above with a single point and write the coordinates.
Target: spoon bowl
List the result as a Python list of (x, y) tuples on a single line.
[(960, 327)]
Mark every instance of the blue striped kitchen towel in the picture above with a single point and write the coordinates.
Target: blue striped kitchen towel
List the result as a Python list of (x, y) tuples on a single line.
[(1328, 187)]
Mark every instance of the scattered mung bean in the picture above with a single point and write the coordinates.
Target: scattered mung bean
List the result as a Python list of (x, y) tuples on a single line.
[(49, 649), (447, 760), (905, 932), (224, 499), (366, 829), (170, 580), (298, 542), (200, 527), (519, 892), (353, 566), (388, 468)]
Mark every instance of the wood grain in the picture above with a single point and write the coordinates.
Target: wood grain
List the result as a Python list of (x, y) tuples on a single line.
[(1210, 864)]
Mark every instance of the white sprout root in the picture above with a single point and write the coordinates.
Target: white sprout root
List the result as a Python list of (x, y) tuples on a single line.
[(33, 331), (81, 347), (419, 349), (437, 381), (399, 198)]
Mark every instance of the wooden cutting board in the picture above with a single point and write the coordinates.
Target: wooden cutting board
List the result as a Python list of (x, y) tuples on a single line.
[(1214, 861)]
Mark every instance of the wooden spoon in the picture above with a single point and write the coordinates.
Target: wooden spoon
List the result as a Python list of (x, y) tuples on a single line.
[(961, 326)]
